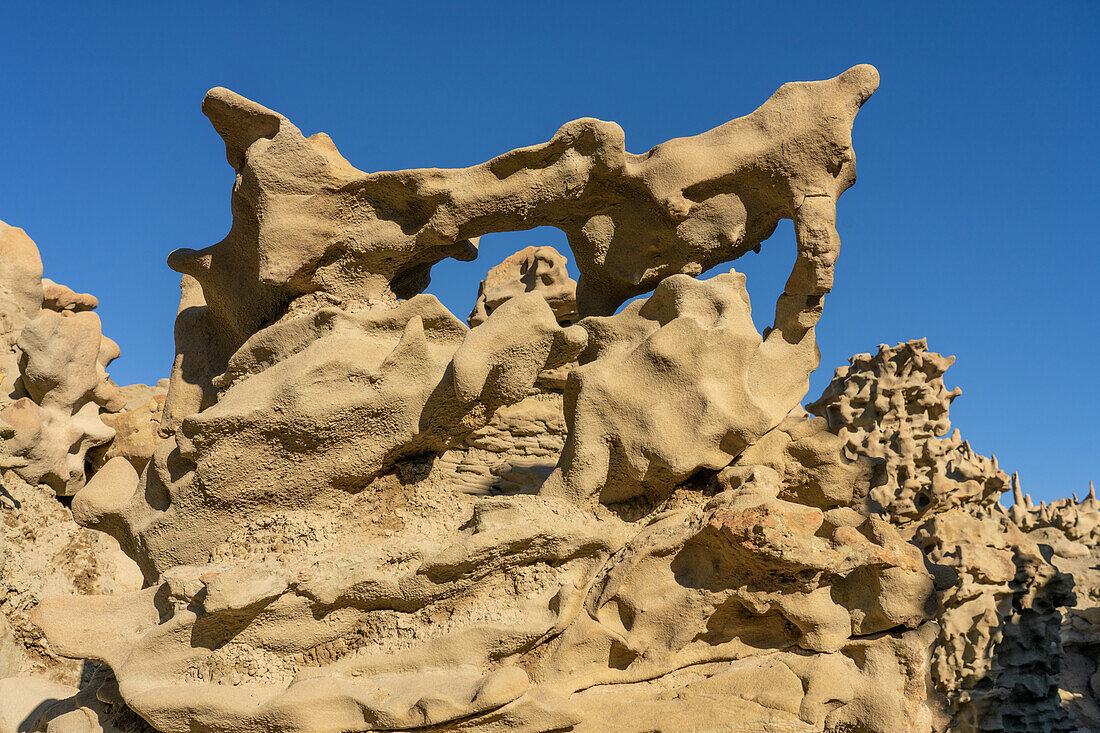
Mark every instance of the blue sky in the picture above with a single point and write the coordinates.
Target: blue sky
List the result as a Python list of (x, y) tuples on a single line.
[(974, 221)]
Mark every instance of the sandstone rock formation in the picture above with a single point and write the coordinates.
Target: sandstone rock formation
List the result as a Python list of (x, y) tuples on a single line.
[(351, 511), (534, 269), (55, 403), (307, 587), (136, 426), (309, 229), (60, 298), (20, 301), (310, 564), (62, 371), (712, 387), (54, 372), (1068, 534), (893, 406), (45, 553), (1002, 659)]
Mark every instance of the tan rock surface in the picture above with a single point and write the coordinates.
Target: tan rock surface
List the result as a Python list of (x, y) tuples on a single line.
[(315, 554), (319, 405), (675, 383), (353, 512), (893, 407), (1067, 532), (54, 391), (53, 379), (47, 554), (308, 228), (409, 604), (61, 298), (63, 372), (20, 301), (539, 270), (24, 700), (1007, 658), (136, 426)]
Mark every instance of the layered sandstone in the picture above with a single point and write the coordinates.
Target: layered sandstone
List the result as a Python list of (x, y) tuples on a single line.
[(353, 511)]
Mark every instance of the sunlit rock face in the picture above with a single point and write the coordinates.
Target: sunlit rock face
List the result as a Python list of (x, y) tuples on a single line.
[(1017, 611), (55, 401), (310, 228), (893, 407), (542, 270), (53, 379), (353, 511), (654, 522)]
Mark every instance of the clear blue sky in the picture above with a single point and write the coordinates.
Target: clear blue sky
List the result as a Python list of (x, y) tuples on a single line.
[(974, 221)]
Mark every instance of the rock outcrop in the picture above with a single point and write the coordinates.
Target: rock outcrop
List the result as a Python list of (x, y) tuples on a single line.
[(309, 229), (313, 558), (387, 599), (1016, 625), (1067, 532), (893, 407), (56, 403), (20, 301), (52, 371), (45, 553), (675, 383), (540, 270), (136, 426), (58, 406), (352, 511)]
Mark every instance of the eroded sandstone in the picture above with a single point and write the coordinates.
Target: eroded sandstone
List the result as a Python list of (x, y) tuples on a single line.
[(353, 511)]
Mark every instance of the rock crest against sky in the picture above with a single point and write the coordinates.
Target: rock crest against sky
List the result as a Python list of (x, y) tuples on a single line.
[(351, 511)]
